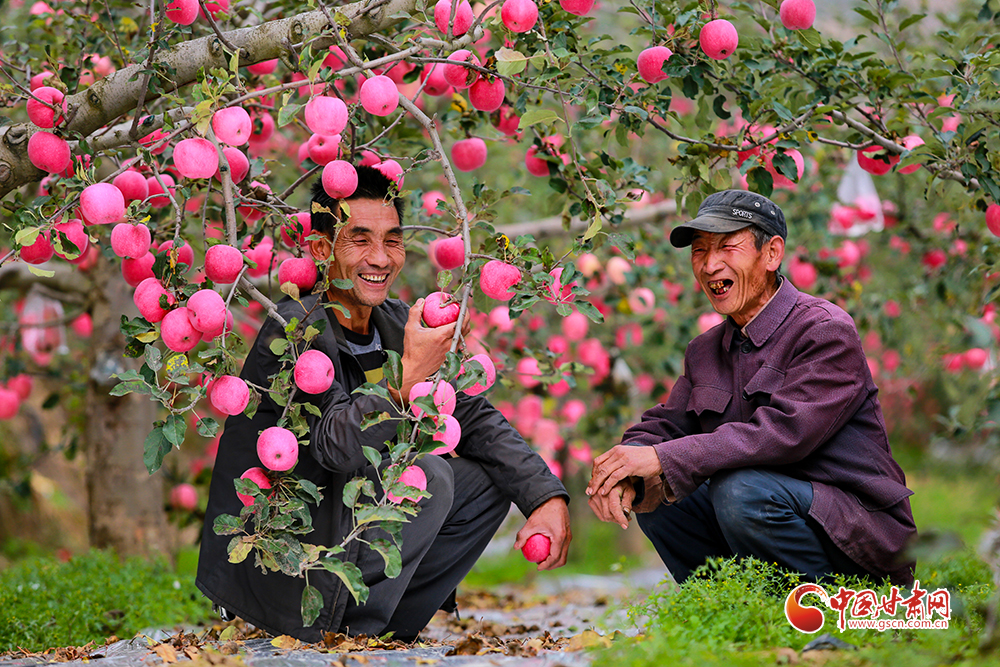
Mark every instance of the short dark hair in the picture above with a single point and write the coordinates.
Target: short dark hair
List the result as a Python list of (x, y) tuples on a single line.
[(760, 236), (372, 184)]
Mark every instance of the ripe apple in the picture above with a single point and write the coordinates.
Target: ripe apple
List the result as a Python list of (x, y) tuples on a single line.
[(432, 78), (449, 434), (528, 372), (278, 449), (76, 236), (486, 95), (519, 15), (40, 250), (379, 95), (618, 269), (182, 12), (132, 184), (460, 76), (131, 241), (223, 263), (719, 39), (323, 148), (290, 234), (340, 179), (491, 374), (230, 395), (444, 397), (557, 292), (44, 116), (259, 477), (326, 115), (263, 68), (910, 142), (877, 160), (207, 310), (463, 17), (650, 63), (102, 204), (797, 14), (413, 476), (177, 331), (313, 372), (993, 219), (577, 7), (449, 253), (184, 254), (239, 165), (300, 271), (391, 170), (196, 158), (536, 548), (134, 271), (436, 313), (497, 278), (9, 403), (641, 300), (232, 125), (49, 152), (469, 154), (184, 497)]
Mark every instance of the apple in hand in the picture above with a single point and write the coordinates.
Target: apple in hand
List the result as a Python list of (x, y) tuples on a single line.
[(436, 313), (536, 548)]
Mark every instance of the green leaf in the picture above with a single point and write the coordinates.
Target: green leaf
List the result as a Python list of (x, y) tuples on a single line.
[(373, 455), (312, 605), (371, 513), (452, 365), (278, 346), (393, 369), (155, 448), (782, 111), (350, 575), (910, 20), (372, 389), (342, 283), (352, 491), (132, 386), (310, 333), (785, 165), (590, 311), (510, 62), (174, 430), (27, 236), (390, 554), (287, 114), (41, 273), (868, 14), (760, 181), (227, 524), (536, 116), (595, 227), (311, 491), (207, 427)]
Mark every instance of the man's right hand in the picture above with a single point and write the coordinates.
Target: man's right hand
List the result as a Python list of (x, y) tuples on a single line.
[(615, 505), (424, 349)]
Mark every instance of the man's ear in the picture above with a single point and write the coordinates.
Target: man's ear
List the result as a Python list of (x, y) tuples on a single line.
[(775, 252), (320, 249)]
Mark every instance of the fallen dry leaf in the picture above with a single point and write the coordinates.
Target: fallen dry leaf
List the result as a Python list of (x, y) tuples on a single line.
[(786, 656), (285, 642), (469, 645), (167, 652), (587, 639)]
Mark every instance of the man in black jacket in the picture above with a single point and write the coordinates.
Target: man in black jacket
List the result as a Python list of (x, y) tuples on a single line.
[(471, 493)]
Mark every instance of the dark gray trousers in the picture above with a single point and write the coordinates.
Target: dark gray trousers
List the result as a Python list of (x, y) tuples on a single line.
[(439, 547)]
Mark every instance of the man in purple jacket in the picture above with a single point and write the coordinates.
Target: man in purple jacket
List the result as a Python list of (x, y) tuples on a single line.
[(772, 443)]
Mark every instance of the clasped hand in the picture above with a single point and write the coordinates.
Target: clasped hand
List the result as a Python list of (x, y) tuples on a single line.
[(611, 491)]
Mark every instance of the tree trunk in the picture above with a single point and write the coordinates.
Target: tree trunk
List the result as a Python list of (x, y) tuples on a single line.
[(126, 505)]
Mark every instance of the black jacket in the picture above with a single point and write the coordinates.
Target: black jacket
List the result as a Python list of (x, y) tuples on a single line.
[(272, 601)]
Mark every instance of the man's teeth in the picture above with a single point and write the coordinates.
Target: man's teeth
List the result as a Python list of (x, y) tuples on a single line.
[(374, 279), (719, 286)]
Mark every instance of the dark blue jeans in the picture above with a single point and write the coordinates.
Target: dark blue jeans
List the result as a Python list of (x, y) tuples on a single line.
[(746, 512)]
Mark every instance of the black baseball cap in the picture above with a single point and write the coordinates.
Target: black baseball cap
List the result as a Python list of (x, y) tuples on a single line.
[(730, 211)]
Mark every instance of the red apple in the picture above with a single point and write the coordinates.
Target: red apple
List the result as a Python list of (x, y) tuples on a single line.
[(413, 476), (326, 115), (877, 160), (797, 14), (313, 372), (207, 310), (460, 76), (519, 15), (463, 17), (223, 263), (719, 39), (444, 397), (449, 434), (487, 95), (232, 125), (469, 154), (536, 548), (449, 253), (379, 95), (130, 241), (259, 477), (340, 179), (177, 331), (993, 219), (196, 158), (49, 152), (42, 115), (650, 63), (497, 278), (491, 374), (229, 395), (436, 313), (278, 449), (184, 497)]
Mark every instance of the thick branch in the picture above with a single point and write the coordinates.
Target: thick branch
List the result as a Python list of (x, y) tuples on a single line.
[(119, 93)]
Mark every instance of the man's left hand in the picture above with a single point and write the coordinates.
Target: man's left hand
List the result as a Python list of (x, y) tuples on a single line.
[(550, 519), (620, 462)]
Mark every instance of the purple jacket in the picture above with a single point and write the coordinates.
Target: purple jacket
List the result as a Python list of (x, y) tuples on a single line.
[(796, 397)]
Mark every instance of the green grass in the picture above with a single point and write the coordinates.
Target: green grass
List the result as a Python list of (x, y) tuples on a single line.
[(46, 603), (734, 615)]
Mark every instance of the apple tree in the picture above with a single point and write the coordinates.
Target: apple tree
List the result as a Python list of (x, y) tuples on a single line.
[(157, 156)]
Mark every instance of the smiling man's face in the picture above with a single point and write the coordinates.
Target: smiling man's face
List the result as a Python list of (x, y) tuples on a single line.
[(734, 273), (369, 252)]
